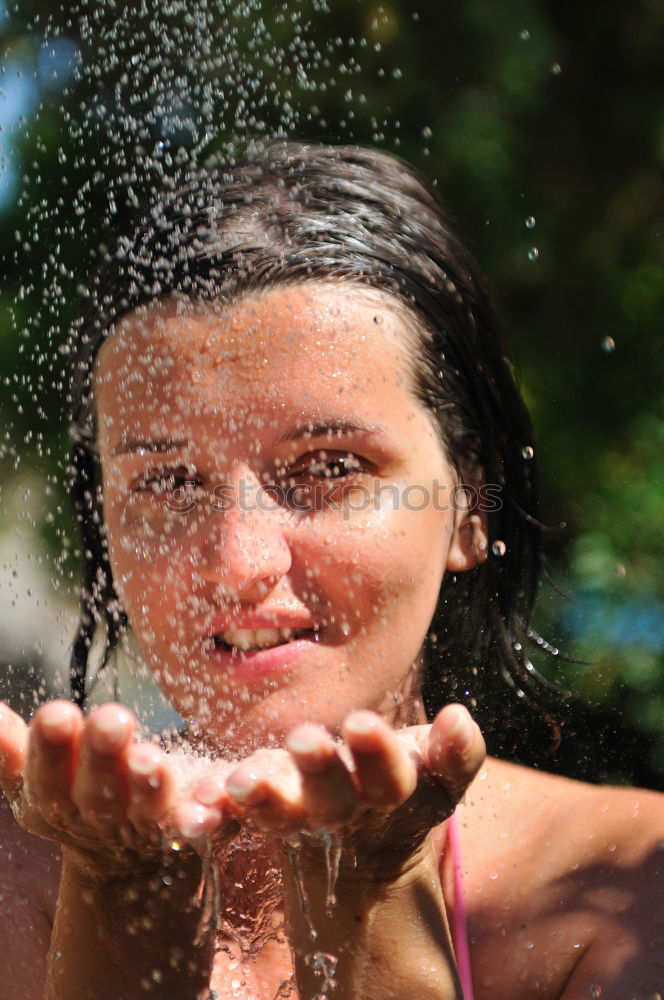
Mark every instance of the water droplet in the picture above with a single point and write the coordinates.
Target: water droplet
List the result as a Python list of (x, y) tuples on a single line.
[(427, 132), (533, 253), (530, 222), (498, 548), (595, 991), (527, 452), (493, 876), (524, 35), (324, 966), (556, 69), (608, 345)]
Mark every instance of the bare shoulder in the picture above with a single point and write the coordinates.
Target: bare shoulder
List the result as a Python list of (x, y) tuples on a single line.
[(564, 880), (29, 877), (576, 825)]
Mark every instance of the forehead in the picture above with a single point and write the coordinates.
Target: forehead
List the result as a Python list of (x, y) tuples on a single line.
[(298, 348)]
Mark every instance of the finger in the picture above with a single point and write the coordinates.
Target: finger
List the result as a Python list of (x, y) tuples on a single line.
[(386, 773), (13, 747), (246, 785), (455, 749), (52, 755), (211, 791), (328, 788), (206, 811), (101, 787), (266, 792), (194, 822), (151, 785)]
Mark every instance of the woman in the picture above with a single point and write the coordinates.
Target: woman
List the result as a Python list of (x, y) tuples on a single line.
[(305, 480)]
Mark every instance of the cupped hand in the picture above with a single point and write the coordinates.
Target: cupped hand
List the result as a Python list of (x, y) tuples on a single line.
[(85, 783), (382, 790)]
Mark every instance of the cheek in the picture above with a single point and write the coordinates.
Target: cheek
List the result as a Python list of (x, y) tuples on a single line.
[(152, 576), (385, 564)]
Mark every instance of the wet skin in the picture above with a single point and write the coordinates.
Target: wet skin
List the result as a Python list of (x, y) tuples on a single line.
[(360, 584), (307, 389), (563, 881), (303, 387)]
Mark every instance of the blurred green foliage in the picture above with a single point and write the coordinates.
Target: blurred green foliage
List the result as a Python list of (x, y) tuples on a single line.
[(541, 123)]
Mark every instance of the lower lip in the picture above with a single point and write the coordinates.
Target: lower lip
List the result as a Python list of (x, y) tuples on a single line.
[(258, 663)]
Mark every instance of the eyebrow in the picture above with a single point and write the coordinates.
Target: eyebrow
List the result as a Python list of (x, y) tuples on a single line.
[(331, 428), (141, 444)]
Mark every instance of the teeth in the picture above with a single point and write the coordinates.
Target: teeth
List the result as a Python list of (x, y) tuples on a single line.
[(256, 638)]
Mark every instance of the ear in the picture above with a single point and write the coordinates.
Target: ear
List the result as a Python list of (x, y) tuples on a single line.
[(470, 541)]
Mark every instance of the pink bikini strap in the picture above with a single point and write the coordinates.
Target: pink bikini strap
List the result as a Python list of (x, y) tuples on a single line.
[(460, 920)]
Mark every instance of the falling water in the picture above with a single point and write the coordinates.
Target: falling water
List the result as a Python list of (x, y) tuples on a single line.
[(332, 846), (323, 966), (112, 103), (208, 898), (293, 848)]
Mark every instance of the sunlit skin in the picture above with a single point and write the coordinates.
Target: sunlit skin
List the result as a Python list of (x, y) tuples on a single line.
[(284, 388), (306, 386), (277, 389)]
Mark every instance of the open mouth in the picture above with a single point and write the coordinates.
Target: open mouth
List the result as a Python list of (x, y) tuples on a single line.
[(249, 640)]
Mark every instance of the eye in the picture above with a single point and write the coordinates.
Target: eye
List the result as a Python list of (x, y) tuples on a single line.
[(329, 466), (165, 481)]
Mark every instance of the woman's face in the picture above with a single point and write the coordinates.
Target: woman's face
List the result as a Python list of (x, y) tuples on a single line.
[(279, 506)]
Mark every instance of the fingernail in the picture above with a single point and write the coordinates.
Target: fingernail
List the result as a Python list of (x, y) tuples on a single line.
[(199, 823), (241, 787), (57, 724), (210, 792), (462, 732), (107, 733), (304, 740), (361, 723), (144, 771)]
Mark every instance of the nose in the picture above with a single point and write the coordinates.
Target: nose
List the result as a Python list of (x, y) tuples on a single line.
[(244, 549)]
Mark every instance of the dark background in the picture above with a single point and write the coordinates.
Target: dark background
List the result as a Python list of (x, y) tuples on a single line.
[(542, 125)]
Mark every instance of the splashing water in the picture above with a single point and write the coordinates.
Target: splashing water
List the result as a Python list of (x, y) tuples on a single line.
[(208, 897), (324, 966), (332, 847), (293, 848), (112, 104)]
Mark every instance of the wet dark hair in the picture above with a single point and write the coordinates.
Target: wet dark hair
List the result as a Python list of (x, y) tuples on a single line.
[(295, 212)]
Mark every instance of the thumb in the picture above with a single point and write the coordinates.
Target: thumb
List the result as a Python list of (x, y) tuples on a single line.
[(455, 750)]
